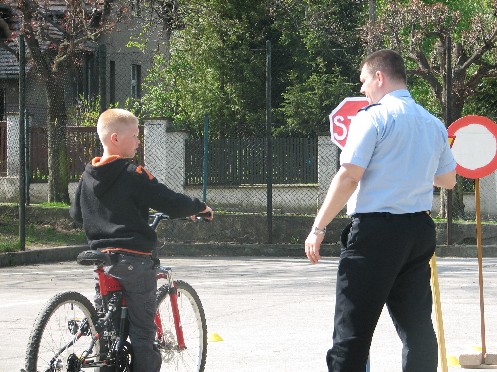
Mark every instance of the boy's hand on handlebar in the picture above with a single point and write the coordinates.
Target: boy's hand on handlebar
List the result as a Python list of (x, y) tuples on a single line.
[(207, 214)]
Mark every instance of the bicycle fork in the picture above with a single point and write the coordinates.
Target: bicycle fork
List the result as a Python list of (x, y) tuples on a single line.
[(166, 273)]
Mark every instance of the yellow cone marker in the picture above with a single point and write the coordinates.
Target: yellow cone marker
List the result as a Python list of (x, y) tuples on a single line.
[(214, 337), (453, 361)]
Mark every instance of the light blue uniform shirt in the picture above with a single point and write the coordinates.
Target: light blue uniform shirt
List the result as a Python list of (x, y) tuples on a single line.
[(402, 146)]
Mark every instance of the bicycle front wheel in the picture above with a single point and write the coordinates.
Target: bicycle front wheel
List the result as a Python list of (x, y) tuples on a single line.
[(54, 344), (192, 316)]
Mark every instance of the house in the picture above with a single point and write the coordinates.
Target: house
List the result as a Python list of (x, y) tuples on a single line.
[(108, 69), (108, 73)]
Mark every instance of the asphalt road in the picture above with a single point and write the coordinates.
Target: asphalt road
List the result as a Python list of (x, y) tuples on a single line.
[(274, 314)]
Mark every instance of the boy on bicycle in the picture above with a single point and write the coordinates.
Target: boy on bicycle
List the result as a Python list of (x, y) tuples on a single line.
[(112, 201)]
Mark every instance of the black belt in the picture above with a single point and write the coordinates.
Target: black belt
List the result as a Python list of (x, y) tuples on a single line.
[(389, 215)]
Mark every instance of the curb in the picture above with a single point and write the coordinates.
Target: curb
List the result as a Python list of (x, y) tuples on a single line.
[(49, 255), (41, 255)]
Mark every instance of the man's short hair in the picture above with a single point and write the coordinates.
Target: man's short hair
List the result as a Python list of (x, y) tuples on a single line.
[(387, 61), (112, 120)]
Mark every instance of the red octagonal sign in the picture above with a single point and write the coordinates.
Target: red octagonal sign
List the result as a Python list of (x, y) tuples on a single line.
[(341, 117)]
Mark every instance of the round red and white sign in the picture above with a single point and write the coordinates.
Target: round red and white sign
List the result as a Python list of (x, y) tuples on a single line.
[(474, 146)]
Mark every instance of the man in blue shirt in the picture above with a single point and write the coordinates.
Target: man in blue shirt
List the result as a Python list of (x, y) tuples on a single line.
[(396, 152)]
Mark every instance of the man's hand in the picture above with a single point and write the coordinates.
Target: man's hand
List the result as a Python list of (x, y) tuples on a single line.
[(207, 210), (312, 245)]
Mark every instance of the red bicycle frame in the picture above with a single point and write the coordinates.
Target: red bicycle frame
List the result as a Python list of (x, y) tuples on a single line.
[(110, 284)]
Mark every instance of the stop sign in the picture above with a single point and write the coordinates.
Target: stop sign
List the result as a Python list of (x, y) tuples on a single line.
[(341, 117)]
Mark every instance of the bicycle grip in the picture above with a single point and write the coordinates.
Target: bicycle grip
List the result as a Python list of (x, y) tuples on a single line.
[(204, 215)]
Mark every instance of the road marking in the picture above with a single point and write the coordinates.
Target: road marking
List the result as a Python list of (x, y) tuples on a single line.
[(45, 272), (292, 279), (13, 304)]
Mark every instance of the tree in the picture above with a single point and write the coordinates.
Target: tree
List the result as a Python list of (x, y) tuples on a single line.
[(320, 40), (56, 39), (159, 19), (420, 31), (217, 65)]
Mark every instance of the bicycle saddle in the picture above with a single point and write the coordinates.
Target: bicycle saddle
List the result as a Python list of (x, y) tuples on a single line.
[(89, 258)]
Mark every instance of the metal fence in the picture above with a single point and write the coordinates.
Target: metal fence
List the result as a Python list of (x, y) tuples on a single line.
[(235, 177), (242, 161), (82, 145)]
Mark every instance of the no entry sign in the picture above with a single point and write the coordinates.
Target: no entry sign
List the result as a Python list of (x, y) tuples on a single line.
[(341, 117), (474, 145)]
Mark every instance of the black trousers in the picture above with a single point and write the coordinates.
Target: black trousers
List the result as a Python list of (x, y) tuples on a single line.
[(385, 260)]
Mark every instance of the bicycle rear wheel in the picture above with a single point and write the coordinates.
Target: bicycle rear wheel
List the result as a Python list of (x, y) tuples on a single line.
[(57, 324), (194, 330)]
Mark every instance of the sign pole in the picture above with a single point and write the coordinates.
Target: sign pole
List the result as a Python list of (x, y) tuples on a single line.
[(474, 147), (480, 267)]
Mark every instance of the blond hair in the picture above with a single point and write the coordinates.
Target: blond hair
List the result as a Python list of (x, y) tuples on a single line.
[(114, 121)]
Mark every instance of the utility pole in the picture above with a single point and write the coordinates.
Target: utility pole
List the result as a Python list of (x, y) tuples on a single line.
[(448, 120), (372, 19)]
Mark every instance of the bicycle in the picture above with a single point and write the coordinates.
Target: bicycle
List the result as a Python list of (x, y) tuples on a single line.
[(70, 335)]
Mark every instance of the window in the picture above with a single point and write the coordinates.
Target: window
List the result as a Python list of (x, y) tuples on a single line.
[(136, 72), (112, 82), (90, 84)]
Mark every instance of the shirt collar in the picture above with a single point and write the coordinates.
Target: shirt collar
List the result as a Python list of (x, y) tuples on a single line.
[(399, 93)]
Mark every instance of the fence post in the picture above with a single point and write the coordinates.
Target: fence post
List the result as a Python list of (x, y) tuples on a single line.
[(269, 149), (488, 196), (327, 166), (27, 152), (102, 76), (164, 153), (22, 153), (206, 158), (12, 144)]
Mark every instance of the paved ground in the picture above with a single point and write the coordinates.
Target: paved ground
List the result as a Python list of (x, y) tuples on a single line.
[(275, 314)]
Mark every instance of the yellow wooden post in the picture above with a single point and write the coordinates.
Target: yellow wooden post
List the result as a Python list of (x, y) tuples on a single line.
[(438, 314)]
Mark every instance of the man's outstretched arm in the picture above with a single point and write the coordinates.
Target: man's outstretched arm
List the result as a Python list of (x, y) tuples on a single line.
[(341, 189)]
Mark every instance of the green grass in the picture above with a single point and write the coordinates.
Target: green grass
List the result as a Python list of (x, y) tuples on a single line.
[(53, 205), (36, 236)]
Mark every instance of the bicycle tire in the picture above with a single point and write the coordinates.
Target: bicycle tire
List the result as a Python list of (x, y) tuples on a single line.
[(63, 311), (194, 326)]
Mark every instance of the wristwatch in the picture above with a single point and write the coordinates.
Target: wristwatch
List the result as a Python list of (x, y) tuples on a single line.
[(318, 231)]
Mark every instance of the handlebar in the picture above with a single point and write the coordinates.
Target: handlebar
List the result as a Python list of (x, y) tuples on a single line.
[(157, 217)]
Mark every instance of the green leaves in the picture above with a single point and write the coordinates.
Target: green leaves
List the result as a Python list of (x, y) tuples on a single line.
[(217, 65), (419, 30)]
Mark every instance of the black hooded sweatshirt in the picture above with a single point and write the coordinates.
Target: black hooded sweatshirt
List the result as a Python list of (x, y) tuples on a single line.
[(113, 200)]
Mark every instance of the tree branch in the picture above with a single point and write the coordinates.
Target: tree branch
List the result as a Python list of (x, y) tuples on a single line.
[(488, 45), (425, 71), (475, 78)]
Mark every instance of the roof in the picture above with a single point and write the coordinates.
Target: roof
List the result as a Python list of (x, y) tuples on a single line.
[(9, 66)]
